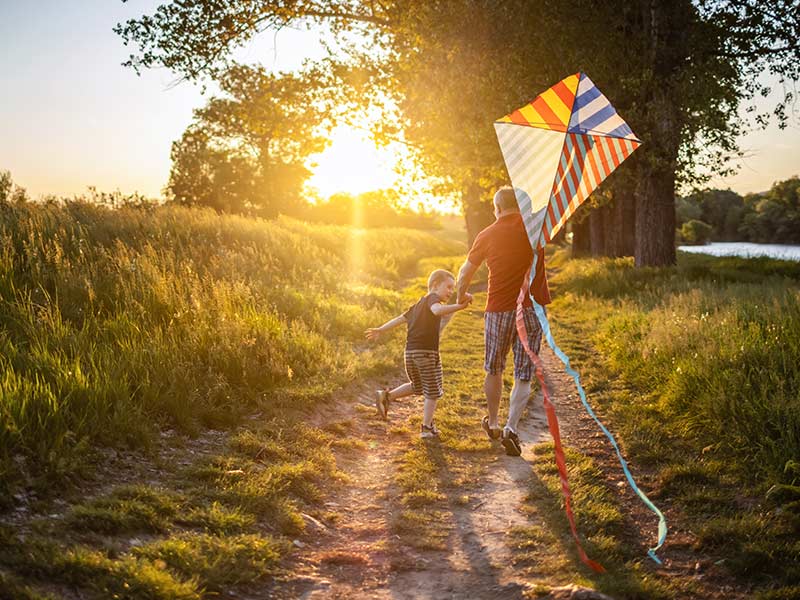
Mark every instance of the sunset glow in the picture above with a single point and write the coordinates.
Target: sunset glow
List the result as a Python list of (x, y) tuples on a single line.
[(353, 164)]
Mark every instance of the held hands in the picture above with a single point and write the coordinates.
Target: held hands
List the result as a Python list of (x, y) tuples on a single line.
[(373, 333), (465, 301)]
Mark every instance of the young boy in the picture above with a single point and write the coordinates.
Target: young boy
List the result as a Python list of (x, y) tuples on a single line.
[(425, 320)]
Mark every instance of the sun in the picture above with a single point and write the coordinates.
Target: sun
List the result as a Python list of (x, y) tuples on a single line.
[(353, 164)]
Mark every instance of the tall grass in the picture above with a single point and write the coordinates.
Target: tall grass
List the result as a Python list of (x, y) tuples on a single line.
[(116, 322), (697, 367), (712, 347)]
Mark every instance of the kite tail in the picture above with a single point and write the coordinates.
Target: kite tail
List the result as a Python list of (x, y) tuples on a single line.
[(552, 422), (545, 324)]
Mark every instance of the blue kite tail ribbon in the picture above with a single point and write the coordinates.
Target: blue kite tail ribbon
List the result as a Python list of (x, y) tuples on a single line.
[(545, 324)]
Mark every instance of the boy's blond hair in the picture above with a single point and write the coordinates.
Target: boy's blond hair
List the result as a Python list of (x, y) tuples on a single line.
[(438, 276)]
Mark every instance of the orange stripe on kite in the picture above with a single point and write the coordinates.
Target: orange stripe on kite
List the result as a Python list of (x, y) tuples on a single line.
[(543, 108), (594, 168), (612, 152), (566, 95), (516, 117), (605, 170)]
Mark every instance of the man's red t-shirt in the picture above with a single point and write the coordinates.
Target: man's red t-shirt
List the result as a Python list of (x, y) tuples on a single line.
[(505, 247)]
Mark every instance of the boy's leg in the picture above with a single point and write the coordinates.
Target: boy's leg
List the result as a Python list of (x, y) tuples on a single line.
[(401, 391), (428, 409)]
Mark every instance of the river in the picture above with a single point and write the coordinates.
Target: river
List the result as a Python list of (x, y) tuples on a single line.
[(746, 250)]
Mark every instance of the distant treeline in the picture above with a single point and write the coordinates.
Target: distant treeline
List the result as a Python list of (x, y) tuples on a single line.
[(379, 208), (724, 215)]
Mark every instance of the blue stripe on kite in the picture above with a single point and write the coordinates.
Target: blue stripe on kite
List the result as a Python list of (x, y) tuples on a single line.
[(570, 184), (584, 145), (548, 224), (585, 98), (558, 190), (597, 118), (621, 131)]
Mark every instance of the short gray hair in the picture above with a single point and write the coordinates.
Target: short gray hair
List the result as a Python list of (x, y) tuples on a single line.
[(506, 199)]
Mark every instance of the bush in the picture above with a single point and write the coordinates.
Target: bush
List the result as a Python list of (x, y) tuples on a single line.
[(695, 232)]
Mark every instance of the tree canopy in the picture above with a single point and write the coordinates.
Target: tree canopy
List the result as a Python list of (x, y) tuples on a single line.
[(677, 71), (246, 151)]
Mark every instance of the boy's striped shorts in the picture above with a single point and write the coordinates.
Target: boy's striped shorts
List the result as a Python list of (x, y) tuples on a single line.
[(424, 370)]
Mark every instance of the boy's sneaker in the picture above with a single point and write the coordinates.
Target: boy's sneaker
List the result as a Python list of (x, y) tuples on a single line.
[(494, 434), (426, 432), (382, 402), (511, 443)]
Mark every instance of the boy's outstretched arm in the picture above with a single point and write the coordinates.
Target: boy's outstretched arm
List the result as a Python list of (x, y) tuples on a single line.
[(373, 333), (445, 310)]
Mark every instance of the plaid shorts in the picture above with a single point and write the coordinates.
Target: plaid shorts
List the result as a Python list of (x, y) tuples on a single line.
[(499, 331), (424, 370)]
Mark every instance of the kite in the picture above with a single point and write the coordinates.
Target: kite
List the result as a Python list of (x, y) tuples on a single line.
[(558, 148)]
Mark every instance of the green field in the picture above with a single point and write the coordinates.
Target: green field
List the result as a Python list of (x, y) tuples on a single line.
[(142, 331), (697, 368), (119, 322)]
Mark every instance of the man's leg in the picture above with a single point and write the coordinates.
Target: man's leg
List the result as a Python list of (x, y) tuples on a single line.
[(493, 388), (520, 394), (498, 334)]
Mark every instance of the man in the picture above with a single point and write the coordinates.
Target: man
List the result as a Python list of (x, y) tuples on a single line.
[(505, 247)]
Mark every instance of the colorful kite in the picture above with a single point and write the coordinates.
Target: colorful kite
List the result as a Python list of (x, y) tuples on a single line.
[(558, 149)]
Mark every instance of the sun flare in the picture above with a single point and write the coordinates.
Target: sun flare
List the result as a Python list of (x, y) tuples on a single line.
[(354, 164)]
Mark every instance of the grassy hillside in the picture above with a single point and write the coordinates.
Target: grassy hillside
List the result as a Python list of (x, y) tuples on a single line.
[(698, 369), (118, 322)]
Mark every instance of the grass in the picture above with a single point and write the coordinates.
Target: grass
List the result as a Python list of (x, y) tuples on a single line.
[(118, 322), (697, 368), (139, 329)]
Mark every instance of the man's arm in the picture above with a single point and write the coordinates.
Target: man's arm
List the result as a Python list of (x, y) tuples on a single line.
[(465, 275)]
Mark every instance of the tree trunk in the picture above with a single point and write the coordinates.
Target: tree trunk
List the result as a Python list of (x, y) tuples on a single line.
[(667, 27), (626, 215), (655, 191), (621, 221), (477, 214), (655, 219), (581, 243), (597, 240)]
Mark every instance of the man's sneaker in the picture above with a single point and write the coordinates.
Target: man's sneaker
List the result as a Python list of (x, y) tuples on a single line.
[(511, 443), (494, 434), (428, 432), (382, 402)]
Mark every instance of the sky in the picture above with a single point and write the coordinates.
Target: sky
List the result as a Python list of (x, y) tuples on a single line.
[(71, 116)]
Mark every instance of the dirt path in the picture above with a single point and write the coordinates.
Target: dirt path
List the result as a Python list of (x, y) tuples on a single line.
[(360, 555)]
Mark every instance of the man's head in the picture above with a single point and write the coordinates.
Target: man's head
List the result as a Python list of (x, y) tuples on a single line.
[(442, 283), (505, 201)]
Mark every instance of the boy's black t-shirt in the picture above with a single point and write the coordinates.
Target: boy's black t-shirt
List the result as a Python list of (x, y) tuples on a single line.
[(423, 325)]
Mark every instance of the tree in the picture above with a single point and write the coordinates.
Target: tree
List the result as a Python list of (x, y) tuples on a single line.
[(246, 151), (378, 208), (773, 217), (11, 192), (678, 71), (695, 232)]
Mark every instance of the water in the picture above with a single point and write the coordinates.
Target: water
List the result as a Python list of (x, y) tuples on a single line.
[(746, 250)]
